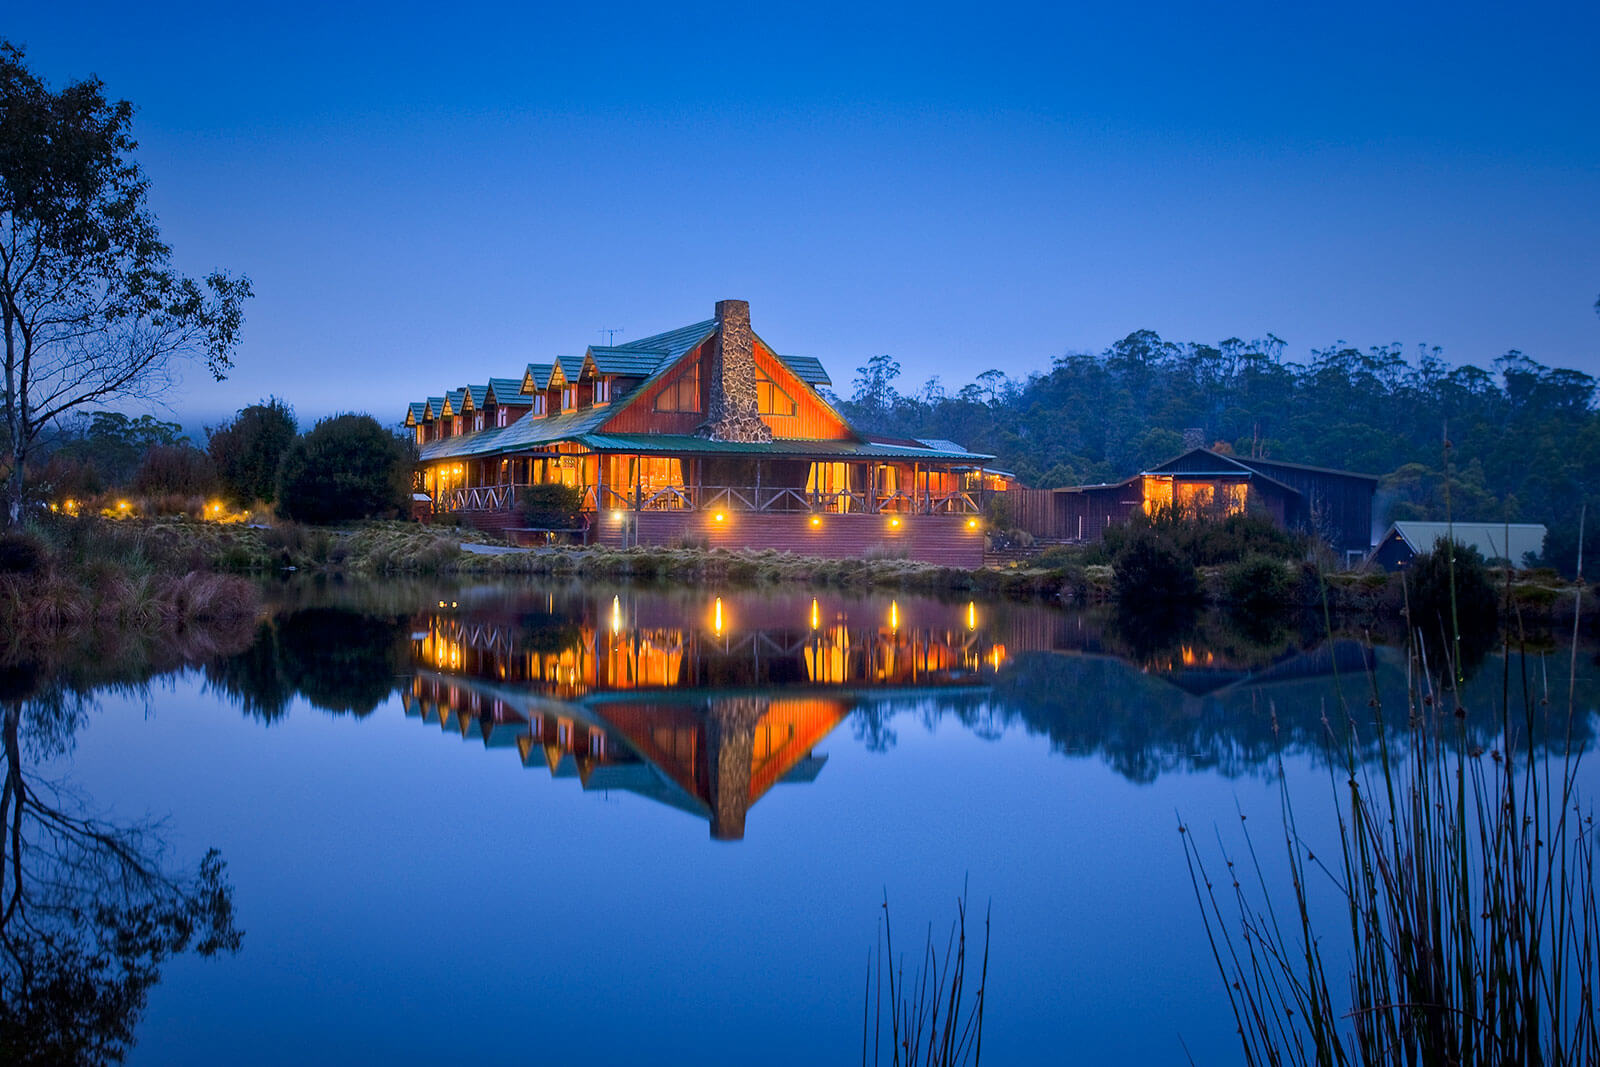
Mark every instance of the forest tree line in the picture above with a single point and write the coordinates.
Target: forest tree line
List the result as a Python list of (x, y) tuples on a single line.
[(1520, 441)]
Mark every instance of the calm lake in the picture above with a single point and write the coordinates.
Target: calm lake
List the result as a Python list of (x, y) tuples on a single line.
[(512, 822)]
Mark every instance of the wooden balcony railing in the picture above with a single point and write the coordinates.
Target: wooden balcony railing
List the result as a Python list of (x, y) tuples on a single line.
[(760, 498)]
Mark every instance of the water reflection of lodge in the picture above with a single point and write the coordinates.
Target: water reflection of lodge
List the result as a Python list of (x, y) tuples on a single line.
[(706, 716)]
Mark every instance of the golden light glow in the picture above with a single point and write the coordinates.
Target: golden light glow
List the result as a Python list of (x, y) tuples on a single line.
[(716, 622), (894, 524), (616, 615), (972, 524), (816, 614), (123, 505), (972, 615), (718, 517), (816, 520), (617, 516), (894, 614)]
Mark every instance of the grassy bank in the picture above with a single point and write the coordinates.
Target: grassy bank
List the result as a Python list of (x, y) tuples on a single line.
[(65, 578), (141, 572)]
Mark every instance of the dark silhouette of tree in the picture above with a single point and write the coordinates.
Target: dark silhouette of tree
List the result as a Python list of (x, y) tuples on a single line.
[(90, 311), (250, 447), (345, 467), (89, 910)]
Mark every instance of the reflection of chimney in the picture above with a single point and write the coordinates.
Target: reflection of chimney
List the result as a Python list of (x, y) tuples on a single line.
[(732, 412), (730, 740)]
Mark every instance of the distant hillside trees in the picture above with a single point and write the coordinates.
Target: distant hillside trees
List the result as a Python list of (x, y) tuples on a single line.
[(345, 467), (1524, 437), (248, 450)]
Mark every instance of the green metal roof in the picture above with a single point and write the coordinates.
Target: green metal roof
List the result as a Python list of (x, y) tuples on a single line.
[(415, 412), (435, 408), (508, 392), (808, 369), (527, 432), (687, 444), (540, 373), (627, 362)]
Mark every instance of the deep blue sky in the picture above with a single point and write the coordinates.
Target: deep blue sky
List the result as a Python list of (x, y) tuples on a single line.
[(425, 196)]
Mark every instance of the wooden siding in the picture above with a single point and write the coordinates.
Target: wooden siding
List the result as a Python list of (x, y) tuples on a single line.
[(1037, 511), (1335, 506), (640, 415), (945, 539), (812, 421)]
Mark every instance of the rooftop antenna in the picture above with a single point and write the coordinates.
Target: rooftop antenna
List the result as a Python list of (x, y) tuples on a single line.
[(611, 334)]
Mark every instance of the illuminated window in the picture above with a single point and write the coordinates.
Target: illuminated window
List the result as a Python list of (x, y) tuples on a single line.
[(770, 399), (500, 417), (683, 393), (477, 421)]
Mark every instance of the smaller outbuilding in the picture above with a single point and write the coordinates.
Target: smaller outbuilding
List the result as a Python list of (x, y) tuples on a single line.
[(1404, 541)]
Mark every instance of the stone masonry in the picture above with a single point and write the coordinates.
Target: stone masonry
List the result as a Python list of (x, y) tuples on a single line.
[(730, 744), (732, 412)]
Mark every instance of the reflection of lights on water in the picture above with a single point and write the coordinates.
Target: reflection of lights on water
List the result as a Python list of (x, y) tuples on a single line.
[(894, 614), (972, 615), (816, 614), (716, 622), (616, 615)]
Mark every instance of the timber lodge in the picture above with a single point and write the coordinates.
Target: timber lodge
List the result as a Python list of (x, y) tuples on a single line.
[(703, 434)]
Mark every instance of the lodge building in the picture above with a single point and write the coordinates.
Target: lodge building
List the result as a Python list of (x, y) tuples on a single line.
[(704, 434), (1334, 505)]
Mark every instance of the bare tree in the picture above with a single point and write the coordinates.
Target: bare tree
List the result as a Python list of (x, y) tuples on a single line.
[(90, 311)]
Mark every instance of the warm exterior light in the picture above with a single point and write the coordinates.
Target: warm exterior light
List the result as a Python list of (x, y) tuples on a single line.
[(972, 524), (122, 505), (617, 516), (816, 520), (894, 523), (718, 517)]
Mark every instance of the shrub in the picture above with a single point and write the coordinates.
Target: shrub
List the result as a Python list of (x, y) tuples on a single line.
[(178, 470), (1467, 621), (550, 507), (1149, 569), (1258, 583), (21, 552), (249, 450), (346, 467)]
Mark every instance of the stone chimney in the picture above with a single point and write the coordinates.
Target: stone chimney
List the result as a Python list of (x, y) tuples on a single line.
[(730, 746), (731, 409)]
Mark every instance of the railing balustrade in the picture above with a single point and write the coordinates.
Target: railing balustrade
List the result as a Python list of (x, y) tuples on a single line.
[(765, 498)]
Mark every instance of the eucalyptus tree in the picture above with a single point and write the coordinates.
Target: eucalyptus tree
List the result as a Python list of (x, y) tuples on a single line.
[(90, 308)]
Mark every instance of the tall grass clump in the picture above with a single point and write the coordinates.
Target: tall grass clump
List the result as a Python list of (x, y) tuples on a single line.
[(934, 1017), (1465, 879)]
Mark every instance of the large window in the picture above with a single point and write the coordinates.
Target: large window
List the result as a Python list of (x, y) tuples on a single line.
[(682, 393), (772, 400)]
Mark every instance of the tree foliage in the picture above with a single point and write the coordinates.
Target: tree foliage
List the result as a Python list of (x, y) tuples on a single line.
[(1525, 437), (346, 467), (248, 449), (90, 310)]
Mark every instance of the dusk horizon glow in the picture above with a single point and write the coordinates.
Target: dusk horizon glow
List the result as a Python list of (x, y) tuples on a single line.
[(423, 203)]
